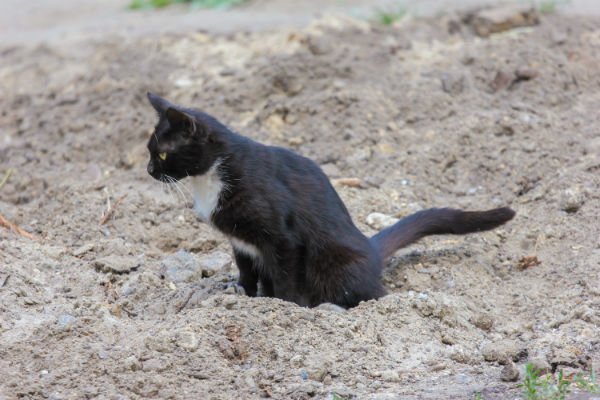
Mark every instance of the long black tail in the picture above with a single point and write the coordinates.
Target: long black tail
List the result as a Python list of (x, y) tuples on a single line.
[(437, 221)]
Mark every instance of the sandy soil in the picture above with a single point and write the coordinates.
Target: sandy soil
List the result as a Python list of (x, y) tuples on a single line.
[(419, 114)]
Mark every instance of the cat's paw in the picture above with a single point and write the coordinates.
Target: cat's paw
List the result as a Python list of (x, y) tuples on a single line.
[(235, 288)]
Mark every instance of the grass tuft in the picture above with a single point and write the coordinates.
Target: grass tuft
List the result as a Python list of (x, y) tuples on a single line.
[(149, 4), (388, 17), (550, 6)]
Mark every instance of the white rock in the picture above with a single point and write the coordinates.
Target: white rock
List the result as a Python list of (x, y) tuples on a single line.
[(380, 221)]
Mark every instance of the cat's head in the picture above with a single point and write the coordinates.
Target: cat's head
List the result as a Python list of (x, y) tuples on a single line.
[(180, 144)]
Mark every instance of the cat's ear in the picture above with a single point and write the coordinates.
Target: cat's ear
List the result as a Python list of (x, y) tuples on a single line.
[(181, 120), (160, 105)]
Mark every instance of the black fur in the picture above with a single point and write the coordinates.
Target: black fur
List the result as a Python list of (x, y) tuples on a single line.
[(284, 205)]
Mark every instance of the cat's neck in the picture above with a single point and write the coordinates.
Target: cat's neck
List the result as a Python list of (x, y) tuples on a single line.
[(213, 187), (207, 190)]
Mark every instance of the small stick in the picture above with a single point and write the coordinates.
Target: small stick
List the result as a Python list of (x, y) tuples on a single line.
[(112, 209), (5, 177), (9, 225), (182, 306), (351, 182)]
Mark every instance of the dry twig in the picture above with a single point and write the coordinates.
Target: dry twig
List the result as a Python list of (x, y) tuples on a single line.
[(350, 182), (527, 262), (112, 209), (10, 226), (5, 177), (187, 299)]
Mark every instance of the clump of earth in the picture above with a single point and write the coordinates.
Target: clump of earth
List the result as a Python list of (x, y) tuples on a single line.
[(415, 115)]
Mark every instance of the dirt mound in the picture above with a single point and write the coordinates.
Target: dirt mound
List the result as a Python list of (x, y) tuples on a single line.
[(421, 116)]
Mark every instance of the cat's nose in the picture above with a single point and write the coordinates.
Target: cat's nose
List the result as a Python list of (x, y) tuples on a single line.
[(150, 168)]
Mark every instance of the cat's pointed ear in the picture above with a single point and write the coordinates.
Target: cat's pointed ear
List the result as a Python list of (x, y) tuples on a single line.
[(181, 120), (160, 105)]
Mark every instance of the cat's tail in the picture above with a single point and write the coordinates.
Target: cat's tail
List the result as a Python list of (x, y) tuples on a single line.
[(437, 221)]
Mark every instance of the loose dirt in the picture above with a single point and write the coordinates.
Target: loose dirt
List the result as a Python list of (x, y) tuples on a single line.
[(423, 117)]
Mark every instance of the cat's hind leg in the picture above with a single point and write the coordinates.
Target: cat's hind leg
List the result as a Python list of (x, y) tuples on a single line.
[(248, 277)]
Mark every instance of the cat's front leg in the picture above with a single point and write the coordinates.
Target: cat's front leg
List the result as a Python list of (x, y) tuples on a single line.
[(248, 277)]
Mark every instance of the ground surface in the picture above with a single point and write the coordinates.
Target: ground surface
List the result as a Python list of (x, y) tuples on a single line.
[(412, 110)]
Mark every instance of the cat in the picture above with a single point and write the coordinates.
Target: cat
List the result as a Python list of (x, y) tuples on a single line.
[(288, 227)]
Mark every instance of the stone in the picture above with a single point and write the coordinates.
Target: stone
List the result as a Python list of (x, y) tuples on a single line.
[(502, 351), (160, 342), (564, 356), (380, 221), (317, 366), (132, 364), (184, 266), (460, 355), (390, 375), (453, 83), (187, 340), (329, 307), (66, 321), (117, 264), (509, 373), (214, 262), (83, 249), (504, 18), (483, 322), (318, 45), (229, 301), (155, 364), (571, 199), (540, 364)]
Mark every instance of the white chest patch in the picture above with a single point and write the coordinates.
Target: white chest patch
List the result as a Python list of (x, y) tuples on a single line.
[(246, 248), (206, 189)]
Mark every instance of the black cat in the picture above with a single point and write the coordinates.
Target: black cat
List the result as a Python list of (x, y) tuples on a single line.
[(287, 225)]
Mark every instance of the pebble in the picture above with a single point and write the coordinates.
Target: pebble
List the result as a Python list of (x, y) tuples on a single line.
[(380, 221), (483, 322), (540, 364), (509, 373), (187, 340), (184, 266), (154, 364), (390, 375), (504, 18), (453, 83), (297, 361), (330, 308), (117, 264), (132, 363), (460, 355), (214, 262), (229, 301), (502, 351), (83, 249), (563, 356), (160, 342), (571, 199), (66, 321), (318, 365)]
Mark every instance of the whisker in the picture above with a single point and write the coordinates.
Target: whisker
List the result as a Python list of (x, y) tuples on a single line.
[(184, 186), (177, 186), (180, 194), (170, 192)]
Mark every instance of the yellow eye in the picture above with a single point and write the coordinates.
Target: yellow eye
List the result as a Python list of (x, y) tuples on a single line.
[(162, 156)]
